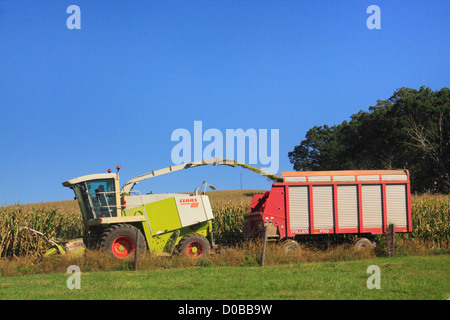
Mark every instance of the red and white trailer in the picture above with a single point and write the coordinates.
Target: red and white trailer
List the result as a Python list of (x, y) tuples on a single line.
[(363, 202)]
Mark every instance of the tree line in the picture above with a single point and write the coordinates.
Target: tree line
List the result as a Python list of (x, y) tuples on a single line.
[(410, 130)]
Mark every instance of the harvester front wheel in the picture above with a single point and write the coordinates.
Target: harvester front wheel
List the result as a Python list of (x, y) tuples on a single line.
[(194, 245), (120, 240)]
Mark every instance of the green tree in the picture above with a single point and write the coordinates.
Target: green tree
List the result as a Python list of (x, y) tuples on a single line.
[(410, 130)]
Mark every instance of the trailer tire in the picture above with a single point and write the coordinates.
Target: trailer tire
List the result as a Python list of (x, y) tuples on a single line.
[(194, 245), (363, 243), (291, 246), (120, 240)]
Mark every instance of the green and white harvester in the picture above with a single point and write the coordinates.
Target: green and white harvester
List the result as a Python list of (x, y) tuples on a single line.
[(122, 220)]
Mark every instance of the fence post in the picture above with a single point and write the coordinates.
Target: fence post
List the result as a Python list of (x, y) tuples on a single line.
[(390, 245), (264, 247)]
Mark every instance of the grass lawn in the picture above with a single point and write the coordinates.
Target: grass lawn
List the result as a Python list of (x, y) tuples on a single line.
[(412, 277)]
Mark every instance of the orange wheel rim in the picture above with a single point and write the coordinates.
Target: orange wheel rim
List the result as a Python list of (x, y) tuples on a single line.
[(122, 247), (194, 249)]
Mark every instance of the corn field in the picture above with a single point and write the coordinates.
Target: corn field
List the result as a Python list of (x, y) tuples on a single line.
[(17, 240), (430, 213), (229, 222), (431, 218)]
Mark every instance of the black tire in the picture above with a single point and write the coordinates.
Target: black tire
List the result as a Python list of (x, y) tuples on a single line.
[(291, 246), (363, 243), (194, 245), (120, 240)]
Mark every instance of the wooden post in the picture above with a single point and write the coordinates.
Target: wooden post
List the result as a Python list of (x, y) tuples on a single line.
[(390, 243), (264, 247)]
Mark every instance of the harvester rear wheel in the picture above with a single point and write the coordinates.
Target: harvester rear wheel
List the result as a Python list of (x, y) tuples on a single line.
[(291, 246), (194, 245), (120, 240), (364, 243)]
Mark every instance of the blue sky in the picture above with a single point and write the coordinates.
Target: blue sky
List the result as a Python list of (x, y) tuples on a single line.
[(76, 102)]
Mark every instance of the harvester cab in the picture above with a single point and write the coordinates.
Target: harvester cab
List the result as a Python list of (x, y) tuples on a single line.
[(122, 220), (97, 194)]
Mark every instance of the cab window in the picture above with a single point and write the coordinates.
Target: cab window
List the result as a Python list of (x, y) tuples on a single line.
[(102, 196)]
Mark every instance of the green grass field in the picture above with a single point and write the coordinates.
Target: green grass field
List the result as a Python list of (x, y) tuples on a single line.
[(402, 278)]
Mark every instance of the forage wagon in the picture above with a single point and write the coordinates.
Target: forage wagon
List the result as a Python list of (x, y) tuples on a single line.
[(359, 202)]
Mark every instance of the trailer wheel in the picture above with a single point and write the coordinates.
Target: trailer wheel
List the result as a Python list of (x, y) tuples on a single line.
[(120, 240), (194, 245), (291, 246), (363, 243)]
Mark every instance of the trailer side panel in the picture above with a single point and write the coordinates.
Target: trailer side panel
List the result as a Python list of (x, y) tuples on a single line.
[(340, 202)]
